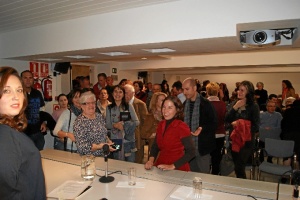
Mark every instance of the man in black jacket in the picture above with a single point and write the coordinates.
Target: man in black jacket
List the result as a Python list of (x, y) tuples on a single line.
[(35, 100), (200, 116)]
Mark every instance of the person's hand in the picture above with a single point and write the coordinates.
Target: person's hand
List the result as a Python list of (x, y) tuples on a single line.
[(166, 167), (43, 127), (119, 125), (197, 131), (100, 146), (109, 142), (239, 103), (148, 164), (72, 137), (111, 149), (96, 147), (234, 123), (152, 135)]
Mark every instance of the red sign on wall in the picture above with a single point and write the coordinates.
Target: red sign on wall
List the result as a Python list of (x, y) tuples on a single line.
[(34, 68), (44, 70)]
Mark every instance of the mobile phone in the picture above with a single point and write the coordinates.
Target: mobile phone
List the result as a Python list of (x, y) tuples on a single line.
[(116, 146)]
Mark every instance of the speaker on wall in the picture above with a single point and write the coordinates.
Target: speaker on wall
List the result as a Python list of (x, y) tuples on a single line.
[(62, 67), (142, 74)]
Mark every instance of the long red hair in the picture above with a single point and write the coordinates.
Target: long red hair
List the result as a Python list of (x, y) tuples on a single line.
[(18, 122)]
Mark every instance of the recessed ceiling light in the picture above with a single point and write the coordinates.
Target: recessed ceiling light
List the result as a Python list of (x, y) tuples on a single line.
[(79, 57), (161, 50), (48, 59), (117, 53)]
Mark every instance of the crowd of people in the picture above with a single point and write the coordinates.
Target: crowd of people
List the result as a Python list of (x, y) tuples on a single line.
[(208, 111), (183, 125)]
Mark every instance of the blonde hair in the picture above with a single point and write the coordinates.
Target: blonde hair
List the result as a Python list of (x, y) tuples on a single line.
[(153, 101), (212, 89)]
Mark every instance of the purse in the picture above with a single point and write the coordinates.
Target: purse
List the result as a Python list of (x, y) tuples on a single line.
[(226, 164)]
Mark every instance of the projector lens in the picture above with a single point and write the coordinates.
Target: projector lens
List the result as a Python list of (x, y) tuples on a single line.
[(260, 37)]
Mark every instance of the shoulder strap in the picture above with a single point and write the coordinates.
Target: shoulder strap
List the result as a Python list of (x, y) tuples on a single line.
[(69, 121), (65, 138)]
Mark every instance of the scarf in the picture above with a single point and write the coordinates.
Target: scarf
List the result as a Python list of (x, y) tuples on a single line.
[(75, 110), (194, 122)]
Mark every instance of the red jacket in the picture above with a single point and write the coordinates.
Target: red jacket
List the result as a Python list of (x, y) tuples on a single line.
[(240, 134)]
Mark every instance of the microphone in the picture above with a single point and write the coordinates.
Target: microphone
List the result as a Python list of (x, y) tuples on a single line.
[(106, 150), (296, 181), (106, 178)]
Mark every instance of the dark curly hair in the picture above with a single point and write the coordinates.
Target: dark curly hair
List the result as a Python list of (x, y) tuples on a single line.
[(250, 94), (18, 122), (140, 84), (72, 94), (124, 104), (178, 105), (288, 84)]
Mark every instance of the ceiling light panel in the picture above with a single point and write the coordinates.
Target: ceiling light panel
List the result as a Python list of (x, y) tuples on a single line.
[(48, 59), (78, 57), (161, 50), (117, 53)]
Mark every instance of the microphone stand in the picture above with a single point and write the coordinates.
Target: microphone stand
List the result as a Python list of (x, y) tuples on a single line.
[(296, 178), (296, 192), (106, 178)]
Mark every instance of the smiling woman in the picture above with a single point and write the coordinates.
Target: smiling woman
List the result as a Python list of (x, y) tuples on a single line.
[(89, 127), (20, 158), (243, 113), (173, 142)]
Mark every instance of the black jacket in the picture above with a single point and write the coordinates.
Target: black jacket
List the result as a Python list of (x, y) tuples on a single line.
[(209, 123)]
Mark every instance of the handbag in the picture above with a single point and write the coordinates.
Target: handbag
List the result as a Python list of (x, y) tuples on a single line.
[(226, 164)]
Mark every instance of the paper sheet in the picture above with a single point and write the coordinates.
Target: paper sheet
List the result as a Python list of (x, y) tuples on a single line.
[(69, 189), (186, 193), (124, 184)]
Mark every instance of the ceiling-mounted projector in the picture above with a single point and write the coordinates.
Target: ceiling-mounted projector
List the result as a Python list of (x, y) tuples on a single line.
[(260, 38)]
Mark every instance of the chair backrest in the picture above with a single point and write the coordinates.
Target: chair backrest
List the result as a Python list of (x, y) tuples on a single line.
[(279, 148), (274, 134)]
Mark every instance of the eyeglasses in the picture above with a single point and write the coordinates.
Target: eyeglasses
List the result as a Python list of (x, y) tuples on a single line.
[(89, 103)]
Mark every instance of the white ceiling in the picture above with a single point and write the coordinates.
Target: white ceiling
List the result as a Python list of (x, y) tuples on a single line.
[(20, 14)]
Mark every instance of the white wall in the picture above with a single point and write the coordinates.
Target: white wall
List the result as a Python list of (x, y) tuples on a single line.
[(252, 60), (272, 81)]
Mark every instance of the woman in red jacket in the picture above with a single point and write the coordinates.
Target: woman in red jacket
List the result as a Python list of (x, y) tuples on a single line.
[(173, 139)]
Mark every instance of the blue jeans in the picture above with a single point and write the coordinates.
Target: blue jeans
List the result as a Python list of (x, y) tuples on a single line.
[(38, 140), (129, 151)]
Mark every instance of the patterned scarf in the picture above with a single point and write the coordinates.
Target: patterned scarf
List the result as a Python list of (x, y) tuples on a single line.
[(194, 122), (75, 110)]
